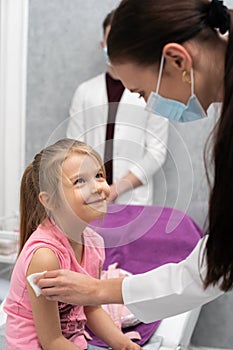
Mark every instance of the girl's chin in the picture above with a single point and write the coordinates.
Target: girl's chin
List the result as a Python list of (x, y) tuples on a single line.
[(99, 207)]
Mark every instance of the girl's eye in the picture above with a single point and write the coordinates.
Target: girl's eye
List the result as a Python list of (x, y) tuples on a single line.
[(99, 175), (79, 181)]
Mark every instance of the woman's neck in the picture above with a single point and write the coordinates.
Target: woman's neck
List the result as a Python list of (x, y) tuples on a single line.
[(212, 89), (208, 64)]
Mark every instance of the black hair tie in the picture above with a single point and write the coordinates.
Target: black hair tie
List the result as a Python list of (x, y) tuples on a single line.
[(218, 16)]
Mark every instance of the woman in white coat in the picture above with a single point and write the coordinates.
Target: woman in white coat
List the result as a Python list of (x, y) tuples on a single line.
[(139, 144), (178, 53)]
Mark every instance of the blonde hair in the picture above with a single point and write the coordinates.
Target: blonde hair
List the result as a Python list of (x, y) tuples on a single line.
[(44, 174)]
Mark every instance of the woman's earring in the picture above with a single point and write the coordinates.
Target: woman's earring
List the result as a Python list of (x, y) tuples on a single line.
[(185, 78)]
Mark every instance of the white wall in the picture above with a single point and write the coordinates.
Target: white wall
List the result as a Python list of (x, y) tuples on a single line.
[(13, 53)]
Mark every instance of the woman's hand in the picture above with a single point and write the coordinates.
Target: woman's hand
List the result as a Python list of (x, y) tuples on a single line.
[(125, 184), (68, 287), (75, 288), (113, 193)]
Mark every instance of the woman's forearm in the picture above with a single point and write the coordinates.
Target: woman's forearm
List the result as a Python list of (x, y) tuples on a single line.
[(110, 291)]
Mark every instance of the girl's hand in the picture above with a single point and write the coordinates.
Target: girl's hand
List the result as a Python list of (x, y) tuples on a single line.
[(130, 345)]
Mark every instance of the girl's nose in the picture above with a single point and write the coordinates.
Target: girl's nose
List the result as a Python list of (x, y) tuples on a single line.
[(97, 188)]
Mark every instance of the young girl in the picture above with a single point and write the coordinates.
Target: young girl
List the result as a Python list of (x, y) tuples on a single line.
[(62, 191)]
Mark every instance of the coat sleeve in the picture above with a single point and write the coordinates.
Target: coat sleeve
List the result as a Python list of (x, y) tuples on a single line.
[(156, 138), (76, 124), (170, 289)]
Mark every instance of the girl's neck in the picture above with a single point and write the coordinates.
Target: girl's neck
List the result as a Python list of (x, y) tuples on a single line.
[(73, 230), (78, 248)]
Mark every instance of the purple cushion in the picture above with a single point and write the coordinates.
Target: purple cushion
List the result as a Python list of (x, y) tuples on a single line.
[(141, 238)]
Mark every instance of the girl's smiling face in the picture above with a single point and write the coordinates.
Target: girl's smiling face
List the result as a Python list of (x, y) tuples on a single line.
[(84, 187)]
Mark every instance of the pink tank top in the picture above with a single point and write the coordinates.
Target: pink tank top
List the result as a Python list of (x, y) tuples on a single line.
[(20, 330)]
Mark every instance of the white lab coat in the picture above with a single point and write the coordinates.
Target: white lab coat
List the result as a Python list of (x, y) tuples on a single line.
[(140, 139), (170, 289)]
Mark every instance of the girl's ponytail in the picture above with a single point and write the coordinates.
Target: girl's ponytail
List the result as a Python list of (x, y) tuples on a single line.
[(32, 212)]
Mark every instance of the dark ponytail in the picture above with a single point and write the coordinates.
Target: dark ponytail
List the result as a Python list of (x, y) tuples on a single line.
[(219, 248)]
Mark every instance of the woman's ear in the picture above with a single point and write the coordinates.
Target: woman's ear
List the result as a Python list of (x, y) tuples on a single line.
[(44, 198), (177, 56)]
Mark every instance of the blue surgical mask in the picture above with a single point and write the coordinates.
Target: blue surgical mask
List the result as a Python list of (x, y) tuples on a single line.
[(105, 51), (172, 109)]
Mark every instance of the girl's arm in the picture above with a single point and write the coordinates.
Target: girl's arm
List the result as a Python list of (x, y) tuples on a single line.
[(101, 324), (45, 313)]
